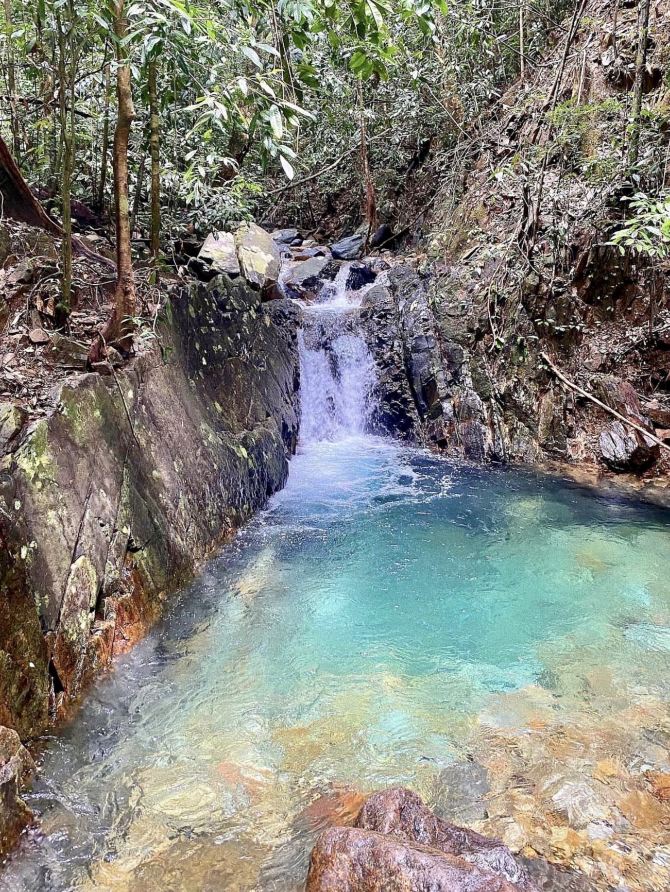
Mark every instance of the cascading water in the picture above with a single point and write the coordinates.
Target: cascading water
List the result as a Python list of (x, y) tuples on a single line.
[(337, 373)]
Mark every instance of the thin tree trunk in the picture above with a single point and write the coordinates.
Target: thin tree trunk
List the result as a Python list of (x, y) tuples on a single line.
[(67, 137), (640, 65), (104, 152), (370, 202), (154, 145), (137, 198), (118, 330), (11, 83), (522, 41)]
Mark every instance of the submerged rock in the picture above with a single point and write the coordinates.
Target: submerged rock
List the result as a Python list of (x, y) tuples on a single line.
[(399, 844), (460, 792), (16, 768), (348, 248)]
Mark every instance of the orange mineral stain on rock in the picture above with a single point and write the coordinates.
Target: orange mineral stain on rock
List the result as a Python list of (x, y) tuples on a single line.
[(338, 807), (659, 781), (643, 810)]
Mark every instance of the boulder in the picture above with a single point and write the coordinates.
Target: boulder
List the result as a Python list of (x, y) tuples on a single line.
[(287, 237), (306, 278), (16, 768), (400, 813), (259, 256), (382, 235), (624, 449), (220, 253), (348, 248), (303, 253), (360, 274), (347, 859)]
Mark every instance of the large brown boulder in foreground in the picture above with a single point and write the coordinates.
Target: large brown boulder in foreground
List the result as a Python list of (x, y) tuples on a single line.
[(399, 845)]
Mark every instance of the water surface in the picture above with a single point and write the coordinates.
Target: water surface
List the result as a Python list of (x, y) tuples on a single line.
[(498, 641)]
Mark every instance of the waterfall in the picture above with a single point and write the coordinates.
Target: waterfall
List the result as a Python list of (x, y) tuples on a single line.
[(337, 373)]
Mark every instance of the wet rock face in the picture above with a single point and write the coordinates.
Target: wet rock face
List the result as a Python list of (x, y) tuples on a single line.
[(426, 390), (100, 520), (399, 844), (16, 768), (350, 860)]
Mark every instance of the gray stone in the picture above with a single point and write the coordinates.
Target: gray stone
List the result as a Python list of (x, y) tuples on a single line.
[(287, 236), (259, 256), (306, 278), (347, 248), (220, 253), (360, 274), (624, 449)]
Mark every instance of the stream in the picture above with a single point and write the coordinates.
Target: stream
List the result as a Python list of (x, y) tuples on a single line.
[(495, 639)]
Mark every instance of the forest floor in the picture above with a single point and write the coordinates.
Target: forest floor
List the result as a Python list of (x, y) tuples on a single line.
[(37, 350)]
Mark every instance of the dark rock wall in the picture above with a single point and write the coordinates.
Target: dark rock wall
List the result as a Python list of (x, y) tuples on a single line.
[(426, 390), (108, 504)]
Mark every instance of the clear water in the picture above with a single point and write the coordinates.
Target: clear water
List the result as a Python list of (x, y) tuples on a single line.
[(390, 617)]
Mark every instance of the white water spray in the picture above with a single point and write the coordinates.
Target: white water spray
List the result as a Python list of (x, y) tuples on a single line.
[(337, 374)]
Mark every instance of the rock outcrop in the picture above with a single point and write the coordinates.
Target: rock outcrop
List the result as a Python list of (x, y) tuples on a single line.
[(109, 502), (16, 768), (398, 844), (426, 390)]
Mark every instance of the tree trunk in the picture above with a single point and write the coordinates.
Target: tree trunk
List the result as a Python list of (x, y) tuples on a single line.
[(18, 202), (104, 152), (11, 83), (137, 198), (370, 201), (67, 137), (154, 145), (640, 66), (522, 41), (118, 330)]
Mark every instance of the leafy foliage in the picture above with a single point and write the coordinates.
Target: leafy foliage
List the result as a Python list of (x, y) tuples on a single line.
[(647, 231)]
